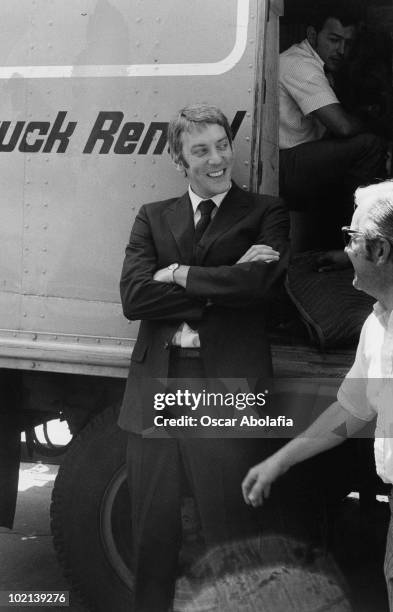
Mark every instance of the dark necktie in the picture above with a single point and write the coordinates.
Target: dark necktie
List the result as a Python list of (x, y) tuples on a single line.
[(206, 208)]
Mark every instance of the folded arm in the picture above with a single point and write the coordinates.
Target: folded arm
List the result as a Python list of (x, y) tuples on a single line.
[(251, 277), (142, 296)]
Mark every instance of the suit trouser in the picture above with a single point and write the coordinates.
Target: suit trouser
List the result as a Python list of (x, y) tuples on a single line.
[(320, 178), (156, 468)]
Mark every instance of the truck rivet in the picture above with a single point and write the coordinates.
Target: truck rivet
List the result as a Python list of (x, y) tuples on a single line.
[(77, 339), (44, 250), (43, 271), (26, 271), (245, 187), (248, 138), (246, 163), (250, 65), (98, 340), (249, 90), (138, 19), (248, 115), (34, 337), (45, 227), (137, 44), (153, 185), (33, 365), (133, 184), (46, 205), (25, 314), (42, 316), (158, 19), (26, 226)]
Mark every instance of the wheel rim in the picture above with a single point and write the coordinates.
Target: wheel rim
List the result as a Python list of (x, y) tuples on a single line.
[(115, 526)]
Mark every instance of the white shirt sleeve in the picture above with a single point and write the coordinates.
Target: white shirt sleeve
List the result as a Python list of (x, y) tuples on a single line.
[(352, 394)]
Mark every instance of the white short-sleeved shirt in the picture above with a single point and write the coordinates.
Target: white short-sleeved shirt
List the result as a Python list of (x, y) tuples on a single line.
[(303, 88), (367, 390)]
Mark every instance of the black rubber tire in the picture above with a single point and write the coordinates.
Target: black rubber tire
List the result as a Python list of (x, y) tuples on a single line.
[(90, 516)]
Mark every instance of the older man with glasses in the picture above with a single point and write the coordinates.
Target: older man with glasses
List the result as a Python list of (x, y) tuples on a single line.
[(367, 390)]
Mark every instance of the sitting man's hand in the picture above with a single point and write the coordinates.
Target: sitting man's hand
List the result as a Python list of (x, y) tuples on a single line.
[(259, 252), (332, 260), (257, 483)]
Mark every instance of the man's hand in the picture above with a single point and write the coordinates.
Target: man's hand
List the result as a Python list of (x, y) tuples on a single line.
[(257, 483), (332, 260), (178, 276), (259, 252), (163, 276)]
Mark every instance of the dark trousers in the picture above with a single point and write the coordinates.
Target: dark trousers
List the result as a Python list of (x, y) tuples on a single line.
[(214, 469), (319, 178)]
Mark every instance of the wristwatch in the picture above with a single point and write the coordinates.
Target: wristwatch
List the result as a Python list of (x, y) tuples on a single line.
[(173, 267)]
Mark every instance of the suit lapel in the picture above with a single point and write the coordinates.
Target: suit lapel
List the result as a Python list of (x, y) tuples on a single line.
[(180, 219), (234, 206)]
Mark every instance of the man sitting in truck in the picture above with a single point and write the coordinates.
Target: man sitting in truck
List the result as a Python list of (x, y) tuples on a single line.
[(197, 272), (325, 152), (367, 390)]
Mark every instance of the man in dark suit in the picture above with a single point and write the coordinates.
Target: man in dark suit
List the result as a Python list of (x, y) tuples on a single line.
[(198, 272)]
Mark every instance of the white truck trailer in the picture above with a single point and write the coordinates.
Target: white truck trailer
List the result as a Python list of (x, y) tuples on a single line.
[(88, 89)]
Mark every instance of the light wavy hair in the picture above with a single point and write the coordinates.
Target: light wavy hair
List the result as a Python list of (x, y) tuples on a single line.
[(189, 118)]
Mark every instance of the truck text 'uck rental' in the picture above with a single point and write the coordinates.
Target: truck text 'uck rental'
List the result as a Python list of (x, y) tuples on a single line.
[(87, 90)]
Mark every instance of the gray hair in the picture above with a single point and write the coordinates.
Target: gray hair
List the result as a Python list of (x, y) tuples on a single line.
[(197, 116), (380, 197)]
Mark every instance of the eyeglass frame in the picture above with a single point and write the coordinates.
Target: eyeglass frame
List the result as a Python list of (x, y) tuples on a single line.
[(348, 233)]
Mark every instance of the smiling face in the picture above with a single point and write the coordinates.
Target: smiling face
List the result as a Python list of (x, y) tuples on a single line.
[(208, 160), (332, 43)]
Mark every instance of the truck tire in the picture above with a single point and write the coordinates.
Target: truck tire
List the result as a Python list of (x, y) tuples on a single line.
[(90, 516), (91, 528)]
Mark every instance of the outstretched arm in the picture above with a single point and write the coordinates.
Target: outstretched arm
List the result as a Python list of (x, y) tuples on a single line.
[(330, 429)]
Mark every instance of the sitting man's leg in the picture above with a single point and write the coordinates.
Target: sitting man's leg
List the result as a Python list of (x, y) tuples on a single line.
[(319, 179)]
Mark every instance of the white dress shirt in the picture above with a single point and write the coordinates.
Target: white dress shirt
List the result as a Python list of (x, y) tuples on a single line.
[(303, 88), (367, 390), (186, 337)]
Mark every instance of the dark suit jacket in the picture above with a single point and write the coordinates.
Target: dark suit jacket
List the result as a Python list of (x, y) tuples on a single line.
[(232, 330)]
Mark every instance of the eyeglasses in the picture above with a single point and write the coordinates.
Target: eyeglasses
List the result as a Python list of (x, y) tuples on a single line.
[(348, 234)]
